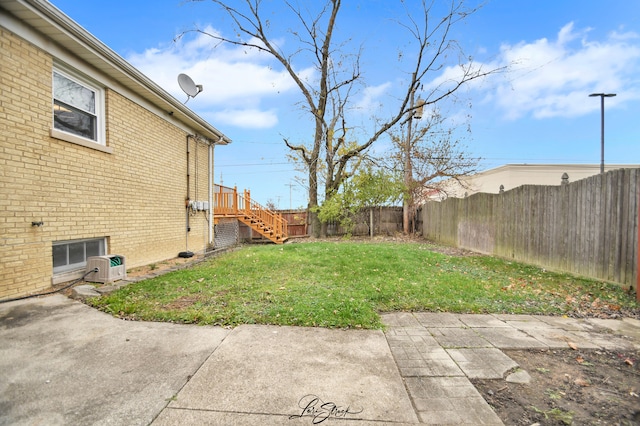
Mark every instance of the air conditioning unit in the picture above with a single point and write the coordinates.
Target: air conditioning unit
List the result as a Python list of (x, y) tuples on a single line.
[(109, 268)]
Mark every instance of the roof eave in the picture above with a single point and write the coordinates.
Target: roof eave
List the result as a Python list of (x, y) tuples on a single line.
[(103, 57)]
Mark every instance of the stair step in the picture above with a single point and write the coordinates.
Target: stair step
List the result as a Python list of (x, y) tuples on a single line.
[(258, 225)]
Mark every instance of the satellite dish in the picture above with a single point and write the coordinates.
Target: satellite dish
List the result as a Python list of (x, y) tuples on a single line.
[(188, 86)]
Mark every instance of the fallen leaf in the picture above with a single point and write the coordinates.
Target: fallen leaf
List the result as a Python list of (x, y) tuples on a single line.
[(579, 359), (581, 382), (572, 345), (628, 361), (200, 280)]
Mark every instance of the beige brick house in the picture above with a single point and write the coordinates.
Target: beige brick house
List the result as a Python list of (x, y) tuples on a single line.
[(95, 158)]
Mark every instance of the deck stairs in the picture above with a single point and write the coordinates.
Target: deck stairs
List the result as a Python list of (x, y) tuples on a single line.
[(231, 204)]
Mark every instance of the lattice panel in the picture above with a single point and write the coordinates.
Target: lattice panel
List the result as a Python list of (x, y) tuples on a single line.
[(225, 233)]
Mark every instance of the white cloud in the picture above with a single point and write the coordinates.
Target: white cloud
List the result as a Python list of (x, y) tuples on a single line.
[(553, 78), (371, 100), (235, 79), (547, 77), (450, 76)]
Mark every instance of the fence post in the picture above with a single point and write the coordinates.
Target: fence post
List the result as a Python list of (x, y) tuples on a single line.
[(235, 200), (220, 199)]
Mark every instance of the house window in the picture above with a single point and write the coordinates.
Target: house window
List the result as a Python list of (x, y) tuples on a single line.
[(77, 107), (72, 255)]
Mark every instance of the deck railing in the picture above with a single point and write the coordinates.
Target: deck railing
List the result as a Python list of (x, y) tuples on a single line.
[(228, 202)]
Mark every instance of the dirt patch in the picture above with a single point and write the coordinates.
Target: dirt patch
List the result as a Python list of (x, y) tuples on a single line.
[(183, 302), (157, 267), (567, 387), (451, 251)]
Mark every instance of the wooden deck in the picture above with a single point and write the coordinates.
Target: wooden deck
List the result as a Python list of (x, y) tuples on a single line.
[(228, 202)]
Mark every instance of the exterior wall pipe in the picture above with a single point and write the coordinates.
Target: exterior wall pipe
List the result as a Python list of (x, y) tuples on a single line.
[(187, 199), (210, 193)]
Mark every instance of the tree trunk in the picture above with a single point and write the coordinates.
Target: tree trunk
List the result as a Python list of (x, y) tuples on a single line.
[(312, 213), (324, 229), (371, 222), (314, 222)]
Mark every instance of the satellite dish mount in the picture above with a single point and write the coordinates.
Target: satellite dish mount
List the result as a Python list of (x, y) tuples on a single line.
[(188, 86)]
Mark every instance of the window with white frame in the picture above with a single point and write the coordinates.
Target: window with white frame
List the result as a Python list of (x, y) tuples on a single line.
[(77, 106), (72, 255)]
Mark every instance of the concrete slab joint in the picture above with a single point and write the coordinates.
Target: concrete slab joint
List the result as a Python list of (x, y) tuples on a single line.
[(133, 372)]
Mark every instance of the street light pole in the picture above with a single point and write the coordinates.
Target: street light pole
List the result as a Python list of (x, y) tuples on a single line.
[(602, 96)]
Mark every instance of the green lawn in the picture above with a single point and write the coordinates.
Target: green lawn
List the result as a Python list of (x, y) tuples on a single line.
[(347, 284)]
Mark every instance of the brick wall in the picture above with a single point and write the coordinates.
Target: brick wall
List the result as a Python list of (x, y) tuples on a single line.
[(134, 196)]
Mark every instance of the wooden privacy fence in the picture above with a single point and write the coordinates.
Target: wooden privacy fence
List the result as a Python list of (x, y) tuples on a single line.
[(296, 222), (385, 220), (588, 227)]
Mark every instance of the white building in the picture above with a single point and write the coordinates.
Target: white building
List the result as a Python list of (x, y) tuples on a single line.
[(511, 176)]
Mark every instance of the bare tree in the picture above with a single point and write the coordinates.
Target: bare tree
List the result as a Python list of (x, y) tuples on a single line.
[(326, 97), (429, 156), (271, 205)]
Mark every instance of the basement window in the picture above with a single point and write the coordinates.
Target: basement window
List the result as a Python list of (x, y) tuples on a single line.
[(72, 255)]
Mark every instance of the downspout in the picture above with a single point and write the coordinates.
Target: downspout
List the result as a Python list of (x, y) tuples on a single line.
[(187, 203), (210, 193), (188, 198)]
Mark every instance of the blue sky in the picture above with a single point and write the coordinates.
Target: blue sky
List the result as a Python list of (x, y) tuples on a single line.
[(538, 112)]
